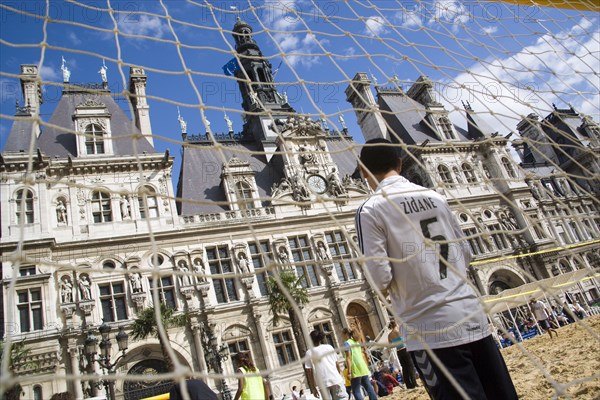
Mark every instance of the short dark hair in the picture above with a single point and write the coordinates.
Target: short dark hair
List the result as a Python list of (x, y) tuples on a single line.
[(317, 336), (379, 159)]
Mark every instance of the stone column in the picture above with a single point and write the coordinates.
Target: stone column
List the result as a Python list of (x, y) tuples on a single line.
[(261, 338), (74, 355), (340, 309), (383, 316)]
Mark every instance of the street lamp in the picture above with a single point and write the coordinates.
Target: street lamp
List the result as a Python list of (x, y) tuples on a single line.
[(105, 352), (215, 355)]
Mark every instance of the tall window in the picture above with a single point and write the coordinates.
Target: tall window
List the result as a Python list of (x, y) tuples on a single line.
[(445, 175), (575, 231), (243, 193), (150, 207), (239, 346), (101, 210), (112, 299), (30, 309), (325, 327), (498, 237), (304, 260), (94, 139), (508, 167), (469, 173), (166, 291), (284, 347), (24, 201), (475, 242), (37, 392), (219, 261), (261, 257), (340, 251)]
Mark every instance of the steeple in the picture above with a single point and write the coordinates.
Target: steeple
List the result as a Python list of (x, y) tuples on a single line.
[(261, 93)]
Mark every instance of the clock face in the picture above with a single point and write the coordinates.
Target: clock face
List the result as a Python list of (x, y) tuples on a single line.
[(317, 184)]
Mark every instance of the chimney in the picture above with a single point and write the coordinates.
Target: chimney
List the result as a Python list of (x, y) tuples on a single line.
[(30, 86), (359, 94), (137, 88)]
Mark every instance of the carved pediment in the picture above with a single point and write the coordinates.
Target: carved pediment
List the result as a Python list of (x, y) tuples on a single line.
[(91, 103)]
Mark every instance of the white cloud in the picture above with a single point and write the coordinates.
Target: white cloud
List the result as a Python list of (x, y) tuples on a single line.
[(489, 29), (409, 18), (450, 11), (73, 38), (558, 68), (143, 25), (49, 74), (375, 26)]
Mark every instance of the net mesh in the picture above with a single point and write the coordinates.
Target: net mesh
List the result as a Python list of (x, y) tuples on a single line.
[(516, 80)]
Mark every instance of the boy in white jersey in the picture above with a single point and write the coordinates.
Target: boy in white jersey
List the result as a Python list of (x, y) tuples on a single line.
[(416, 253)]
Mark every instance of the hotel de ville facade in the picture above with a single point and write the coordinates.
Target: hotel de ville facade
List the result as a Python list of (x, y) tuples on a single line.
[(98, 212)]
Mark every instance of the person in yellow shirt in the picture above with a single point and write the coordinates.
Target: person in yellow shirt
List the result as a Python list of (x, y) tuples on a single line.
[(253, 387), (359, 370)]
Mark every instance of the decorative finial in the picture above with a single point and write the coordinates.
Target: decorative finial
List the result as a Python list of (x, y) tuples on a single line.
[(342, 122), (206, 124), (102, 72), (324, 124), (373, 77), (182, 122), (65, 71)]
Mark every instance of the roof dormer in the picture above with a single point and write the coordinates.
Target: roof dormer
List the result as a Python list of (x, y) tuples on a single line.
[(237, 179), (92, 124)]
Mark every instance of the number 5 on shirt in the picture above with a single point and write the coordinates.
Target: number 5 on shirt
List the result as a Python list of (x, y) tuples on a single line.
[(443, 246)]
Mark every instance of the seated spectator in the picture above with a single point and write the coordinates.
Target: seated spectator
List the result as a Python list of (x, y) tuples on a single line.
[(579, 311), (388, 380)]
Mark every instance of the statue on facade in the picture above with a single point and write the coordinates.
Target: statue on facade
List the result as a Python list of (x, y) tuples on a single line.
[(85, 289), (61, 212), (200, 269), (306, 154), (124, 203), (253, 96), (65, 71), (535, 191), (322, 251), (335, 184), (136, 282), (299, 190), (243, 263), (282, 255), (66, 290), (229, 123), (102, 72), (342, 122), (182, 123), (184, 278)]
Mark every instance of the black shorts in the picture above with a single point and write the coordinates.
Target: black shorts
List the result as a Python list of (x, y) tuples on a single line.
[(544, 324), (478, 368)]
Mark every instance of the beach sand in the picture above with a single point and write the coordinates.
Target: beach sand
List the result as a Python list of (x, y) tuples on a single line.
[(567, 360)]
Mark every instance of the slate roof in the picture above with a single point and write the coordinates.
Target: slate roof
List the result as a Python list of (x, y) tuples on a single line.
[(57, 142), (477, 127), (20, 136), (201, 166), (406, 118)]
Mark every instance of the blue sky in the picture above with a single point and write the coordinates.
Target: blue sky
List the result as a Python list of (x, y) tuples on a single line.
[(491, 54)]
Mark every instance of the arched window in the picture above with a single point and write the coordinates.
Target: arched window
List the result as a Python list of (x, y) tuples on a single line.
[(101, 210), (469, 173), (37, 393), (94, 139), (243, 193), (148, 202), (508, 167), (24, 200), (445, 175)]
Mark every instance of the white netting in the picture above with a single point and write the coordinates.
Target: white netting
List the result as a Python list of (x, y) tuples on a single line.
[(495, 105)]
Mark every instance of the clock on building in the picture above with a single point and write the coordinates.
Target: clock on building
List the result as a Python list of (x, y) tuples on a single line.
[(317, 183)]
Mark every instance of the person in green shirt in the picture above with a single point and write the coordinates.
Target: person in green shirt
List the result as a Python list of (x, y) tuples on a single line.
[(359, 370), (250, 387)]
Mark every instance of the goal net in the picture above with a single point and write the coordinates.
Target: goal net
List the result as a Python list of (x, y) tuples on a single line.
[(179, 181)]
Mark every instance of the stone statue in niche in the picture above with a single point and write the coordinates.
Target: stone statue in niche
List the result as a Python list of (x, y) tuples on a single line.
[(136, 282), (66, 290), (335, 184), (282, 255), (85, 289), (61, 212), (124, 203), (322, 251), (184, 278), (199, 268), (243, 263)]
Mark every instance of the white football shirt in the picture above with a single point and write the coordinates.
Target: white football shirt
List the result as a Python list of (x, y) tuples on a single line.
[(432, 298)]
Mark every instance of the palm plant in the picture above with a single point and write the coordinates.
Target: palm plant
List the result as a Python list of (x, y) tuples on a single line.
[(146, 325), (280, 304)]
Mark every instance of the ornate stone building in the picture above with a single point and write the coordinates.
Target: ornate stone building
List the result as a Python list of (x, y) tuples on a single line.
[(91, 221)]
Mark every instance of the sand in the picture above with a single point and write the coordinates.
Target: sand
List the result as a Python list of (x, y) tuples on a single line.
[(567, 360)]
